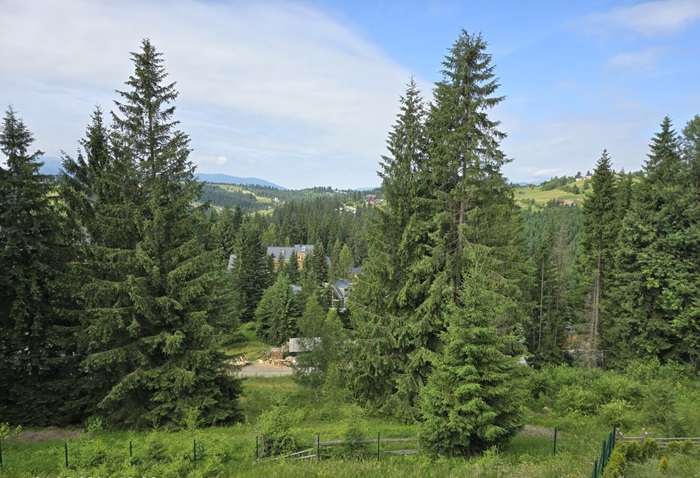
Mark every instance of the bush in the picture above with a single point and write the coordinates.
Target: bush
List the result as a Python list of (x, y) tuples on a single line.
[(663, 465), (618, 411), (275, 427), (617, 463), (673, 448), (650, 448), (687, 447), (355, 432), (576, 399), (633, 451)]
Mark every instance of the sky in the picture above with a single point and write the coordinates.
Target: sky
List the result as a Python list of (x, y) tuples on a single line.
[(304, 93)]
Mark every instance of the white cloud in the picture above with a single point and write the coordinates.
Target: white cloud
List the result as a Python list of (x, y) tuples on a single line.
[(640, 61), (658, 17), (563, 145), (259, 81)]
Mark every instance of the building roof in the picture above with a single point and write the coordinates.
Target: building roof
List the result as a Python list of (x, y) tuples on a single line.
[(286, 252), (341, 288)]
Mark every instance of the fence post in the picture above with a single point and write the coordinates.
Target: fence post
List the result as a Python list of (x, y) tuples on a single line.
[(378, 442), (614, 439), (318, 447), (555, 441), (65, 448), (0, 454), (595, 469), (256, 447), (603, 456), (194, 452), (131, 450)]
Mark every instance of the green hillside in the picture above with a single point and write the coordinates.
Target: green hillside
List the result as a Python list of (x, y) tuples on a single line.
[(573, 190)]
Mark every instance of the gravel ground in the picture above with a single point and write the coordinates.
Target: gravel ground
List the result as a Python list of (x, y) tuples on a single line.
[(265, 370)]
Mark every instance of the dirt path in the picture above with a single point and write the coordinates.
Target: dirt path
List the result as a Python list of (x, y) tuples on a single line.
[(265, 370)]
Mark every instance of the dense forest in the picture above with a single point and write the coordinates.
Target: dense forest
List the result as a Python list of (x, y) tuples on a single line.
[(122, 278)]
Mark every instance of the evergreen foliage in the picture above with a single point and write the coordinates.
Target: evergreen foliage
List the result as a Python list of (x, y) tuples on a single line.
[(444, 191), (277, 312), (37, 357), (656, 263), (472, 400), (601, 226), (321, 333), (383, 300), (154, 294), (252, 272)]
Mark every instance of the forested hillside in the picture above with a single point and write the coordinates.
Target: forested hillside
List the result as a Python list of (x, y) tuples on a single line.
[(123, 280)]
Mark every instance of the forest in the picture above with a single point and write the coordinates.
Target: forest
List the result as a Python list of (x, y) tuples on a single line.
[(124, 282)]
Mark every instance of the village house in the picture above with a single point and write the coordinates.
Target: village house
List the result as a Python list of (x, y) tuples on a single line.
[(285, 253)]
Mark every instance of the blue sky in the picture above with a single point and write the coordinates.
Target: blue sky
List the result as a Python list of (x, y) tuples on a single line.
[(304, 93)]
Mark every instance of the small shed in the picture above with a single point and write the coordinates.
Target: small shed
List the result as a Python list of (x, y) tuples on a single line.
[(302, 344)]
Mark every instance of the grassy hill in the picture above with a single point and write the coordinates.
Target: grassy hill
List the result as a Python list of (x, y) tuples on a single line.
[(573, 191)]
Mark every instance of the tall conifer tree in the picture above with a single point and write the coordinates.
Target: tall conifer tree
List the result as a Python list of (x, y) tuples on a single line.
[(155, 294), (601, 226), (652, 272), (386, 295), (37, 353)]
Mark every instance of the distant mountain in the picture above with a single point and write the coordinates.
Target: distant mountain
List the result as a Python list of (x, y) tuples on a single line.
[(51, 166), (226, 179)]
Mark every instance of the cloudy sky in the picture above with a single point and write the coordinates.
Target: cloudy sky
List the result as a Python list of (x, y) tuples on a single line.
[(303, 93)]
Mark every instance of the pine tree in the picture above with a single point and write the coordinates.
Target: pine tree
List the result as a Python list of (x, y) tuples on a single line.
[(472, 400), (37, 350), (155, 295)]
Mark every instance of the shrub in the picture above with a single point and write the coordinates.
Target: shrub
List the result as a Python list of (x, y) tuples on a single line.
[(355, 432), (663, 465), (574, 399), (673, 448), (275, 427), (687, 447), (617, 463), (633, 451), (618, 412), (650, 448)]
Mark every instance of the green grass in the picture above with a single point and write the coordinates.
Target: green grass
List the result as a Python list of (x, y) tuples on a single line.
[(526, 195), (230, 451), (245, 342), (233, 187)]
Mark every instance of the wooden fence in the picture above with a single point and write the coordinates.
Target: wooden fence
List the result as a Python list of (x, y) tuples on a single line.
[(315, 451)]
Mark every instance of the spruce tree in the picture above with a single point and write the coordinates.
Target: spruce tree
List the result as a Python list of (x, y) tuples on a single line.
[(444, 191), (470, 201), (252, 272), (154, 295), (601, 226), (37, 351), (473, 399), (652, 273), (385, 297), (225, 230), (276, 313), (321, 333)]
